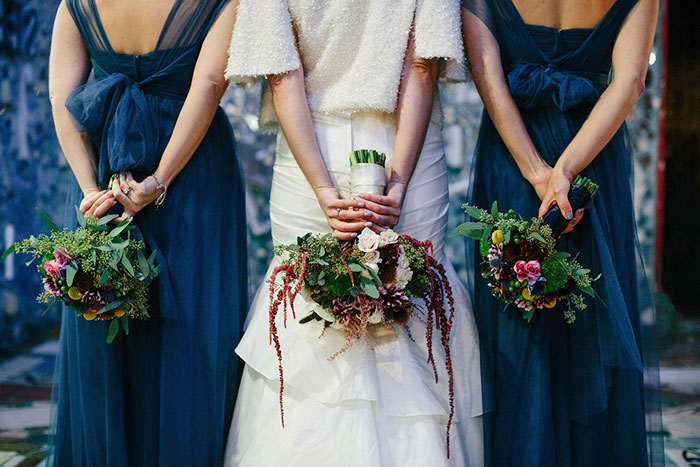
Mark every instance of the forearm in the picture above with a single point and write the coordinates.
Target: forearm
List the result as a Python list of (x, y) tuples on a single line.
[(192, 125), (289, 98), (76, 146), (487, 72), (613, 107), (414, 109)]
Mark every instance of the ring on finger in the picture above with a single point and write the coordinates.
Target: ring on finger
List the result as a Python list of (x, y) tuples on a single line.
[(127, 190), (337, 210)]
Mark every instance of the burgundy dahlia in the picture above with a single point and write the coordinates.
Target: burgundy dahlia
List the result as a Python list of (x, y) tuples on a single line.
[(93, 299), (51, 285)]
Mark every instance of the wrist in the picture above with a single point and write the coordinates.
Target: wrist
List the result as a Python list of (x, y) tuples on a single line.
[(90, 189), (562, 168)]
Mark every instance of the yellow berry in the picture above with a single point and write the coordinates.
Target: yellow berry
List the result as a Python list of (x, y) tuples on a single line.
[(550, 303), (89, 315), (118, 313), (497, 237), (527, 295)]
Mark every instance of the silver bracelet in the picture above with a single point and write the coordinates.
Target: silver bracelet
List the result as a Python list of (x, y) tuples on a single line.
[(161, 197)]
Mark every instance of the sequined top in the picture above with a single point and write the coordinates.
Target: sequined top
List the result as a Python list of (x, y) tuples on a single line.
[(352, 50)]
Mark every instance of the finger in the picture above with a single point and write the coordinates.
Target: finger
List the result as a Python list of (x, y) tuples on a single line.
[(104, 207), (381, 220), (343, 203), (344, 235), (379, 229), (88, 201), (546, 205), (382, 208), (101, 199), (380, 199), (124, 200), (348, 226), (347, 215), (565, 207)]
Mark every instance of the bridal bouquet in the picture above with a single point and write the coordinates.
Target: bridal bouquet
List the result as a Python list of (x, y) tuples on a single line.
[(94, 269), (520, 259)]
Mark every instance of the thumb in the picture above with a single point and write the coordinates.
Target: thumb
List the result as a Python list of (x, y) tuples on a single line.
[(565, 207)]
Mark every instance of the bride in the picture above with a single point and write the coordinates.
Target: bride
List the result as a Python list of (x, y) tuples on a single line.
[(341, 76)]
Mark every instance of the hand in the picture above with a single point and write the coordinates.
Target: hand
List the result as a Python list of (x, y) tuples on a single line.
[(385, 211), (133, 195), (97, 203), (340, 215), (557, 192)]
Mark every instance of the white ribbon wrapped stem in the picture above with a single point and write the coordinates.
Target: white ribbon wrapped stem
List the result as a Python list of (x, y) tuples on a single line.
[(367, 178)]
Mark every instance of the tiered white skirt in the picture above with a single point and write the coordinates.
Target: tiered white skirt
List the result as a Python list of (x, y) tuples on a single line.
[(377, 404)]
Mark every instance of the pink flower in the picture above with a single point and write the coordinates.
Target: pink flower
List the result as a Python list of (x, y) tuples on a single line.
[(61, 258), (533, 269), (52, 267), (520, 270)]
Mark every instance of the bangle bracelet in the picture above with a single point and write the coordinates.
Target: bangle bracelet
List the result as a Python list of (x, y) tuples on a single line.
[(161, 197)]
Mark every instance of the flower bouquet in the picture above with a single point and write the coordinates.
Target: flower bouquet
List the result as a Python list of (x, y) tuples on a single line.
[(520, 259), (375, 281), (93, 269)]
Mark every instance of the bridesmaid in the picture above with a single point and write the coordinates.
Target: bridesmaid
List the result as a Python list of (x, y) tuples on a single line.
[(558, 394), (164, 394)]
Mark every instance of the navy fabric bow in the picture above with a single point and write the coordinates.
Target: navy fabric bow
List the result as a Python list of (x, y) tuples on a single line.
[(534, 85), (113, 110)]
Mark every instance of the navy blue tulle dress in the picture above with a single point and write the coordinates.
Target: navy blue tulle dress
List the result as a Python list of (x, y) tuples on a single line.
[(558, 394), (164, 395)]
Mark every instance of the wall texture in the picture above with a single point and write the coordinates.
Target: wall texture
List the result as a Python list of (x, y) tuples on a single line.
[(33, 171)]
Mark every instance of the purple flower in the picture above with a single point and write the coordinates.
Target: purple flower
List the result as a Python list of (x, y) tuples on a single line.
[(51, 286), (536, 285)]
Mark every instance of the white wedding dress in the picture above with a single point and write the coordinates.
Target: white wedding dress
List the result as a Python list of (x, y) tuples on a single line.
[(377, 404)]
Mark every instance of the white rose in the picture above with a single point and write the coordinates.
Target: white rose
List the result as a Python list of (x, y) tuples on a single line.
[(372, 257), (368, 240), (403, 262), (388, 237), (403, 277), (375, 318)]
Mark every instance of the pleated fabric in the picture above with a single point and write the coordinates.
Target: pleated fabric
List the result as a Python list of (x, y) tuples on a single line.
[(164, 394), (558, 394)]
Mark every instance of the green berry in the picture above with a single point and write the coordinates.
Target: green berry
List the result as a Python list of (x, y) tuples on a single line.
[(510, 289), (517, 240), (528, 303), (518, 284), (64, 289)]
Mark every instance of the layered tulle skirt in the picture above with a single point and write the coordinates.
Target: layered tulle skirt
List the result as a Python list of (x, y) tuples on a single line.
[(377, 403)]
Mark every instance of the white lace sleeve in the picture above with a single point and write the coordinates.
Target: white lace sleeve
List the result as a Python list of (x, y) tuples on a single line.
[(262, 43), (438, 34)]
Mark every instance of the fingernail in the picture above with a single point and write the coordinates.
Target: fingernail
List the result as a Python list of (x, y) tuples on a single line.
[(569, 215), (353, 235), (367, 214), (368, 224), (361, 204)]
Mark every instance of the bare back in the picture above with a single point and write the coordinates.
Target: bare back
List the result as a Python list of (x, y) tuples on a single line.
[(134, 26), (563, 14)]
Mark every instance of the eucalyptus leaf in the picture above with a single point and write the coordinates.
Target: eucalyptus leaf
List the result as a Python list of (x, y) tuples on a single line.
[(127, 265), (528, 315), (71, 270), (107, 219), (321, 251), (375, 276), (125, 324), (369, 288), (538, 237), (110, 306), (473, 230), (29, 263), (104, 277), (117, 231), (47, 220), (587, 289), (113, 331), (81, 217), (506, 235), (354, 267), (494, 210), (105, 248), (143, 263), (93, 257), (473, 211)]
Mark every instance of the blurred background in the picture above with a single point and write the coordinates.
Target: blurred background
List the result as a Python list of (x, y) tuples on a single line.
[(665, 130)]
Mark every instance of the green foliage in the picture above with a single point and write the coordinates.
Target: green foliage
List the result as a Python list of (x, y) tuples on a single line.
[(556, 272)]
